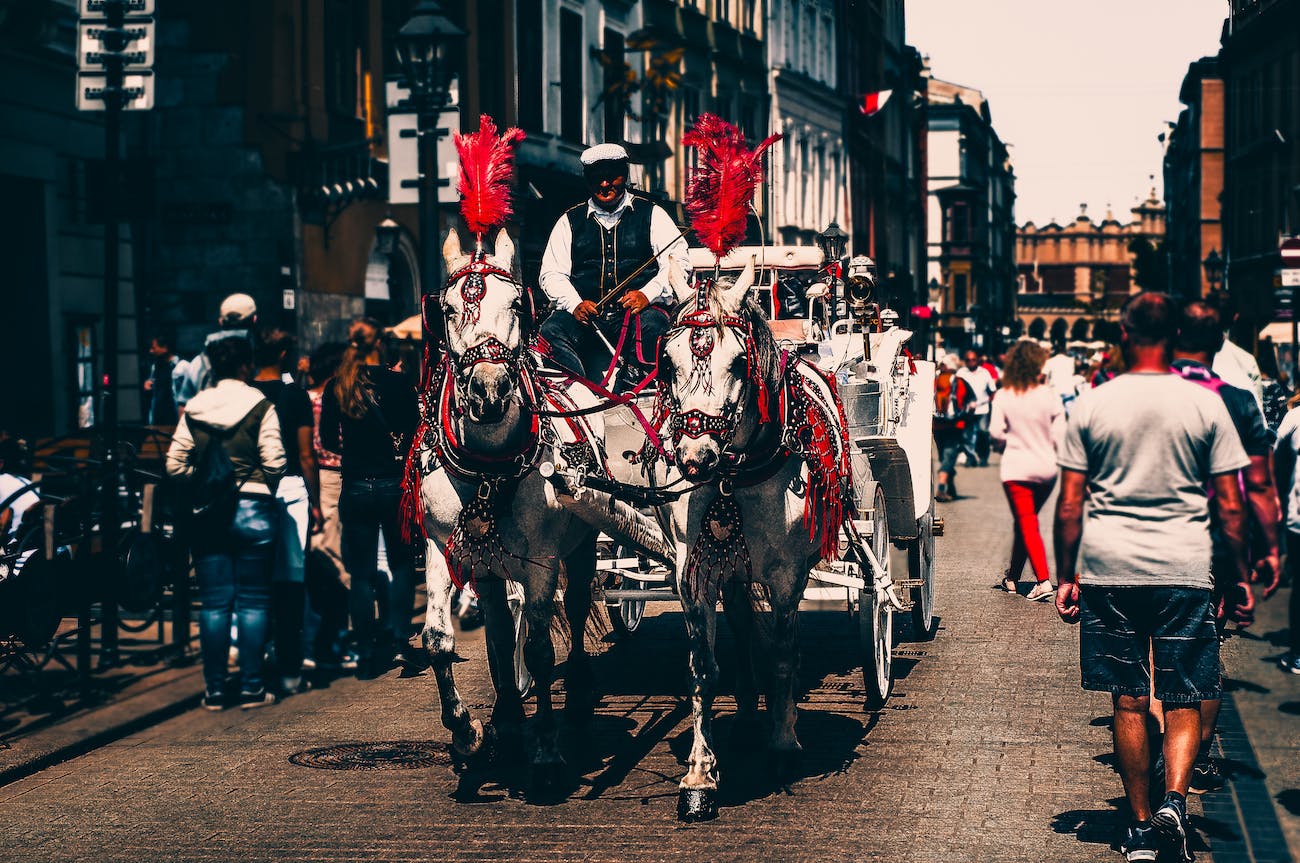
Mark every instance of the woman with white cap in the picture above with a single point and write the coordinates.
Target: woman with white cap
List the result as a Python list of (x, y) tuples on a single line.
[(600, 245)]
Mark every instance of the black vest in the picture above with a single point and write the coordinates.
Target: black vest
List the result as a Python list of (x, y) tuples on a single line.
[(601, 258)]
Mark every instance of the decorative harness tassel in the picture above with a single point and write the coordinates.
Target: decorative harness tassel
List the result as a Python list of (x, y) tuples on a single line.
[(719, 551)]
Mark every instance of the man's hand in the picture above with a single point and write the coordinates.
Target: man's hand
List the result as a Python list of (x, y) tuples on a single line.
[(1238, 604), (634, 301), (1067, 601), (585, 311), (1268, 572), (317, 519), (148, 385)]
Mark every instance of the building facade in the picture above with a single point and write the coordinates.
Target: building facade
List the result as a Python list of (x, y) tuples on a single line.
[(1260, 65), (1193, 175), (1071, 277), (971, 269)]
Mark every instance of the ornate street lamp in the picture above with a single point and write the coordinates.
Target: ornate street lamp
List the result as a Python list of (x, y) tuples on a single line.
[(424, 48), (833, 241), (1213, 269), (387, 235)]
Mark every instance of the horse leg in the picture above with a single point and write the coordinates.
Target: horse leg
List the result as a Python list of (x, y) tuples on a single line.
[(440, 643), (740, 616), (499, 633), (785, 592), (697, 795), (539, 656), (579, 680)]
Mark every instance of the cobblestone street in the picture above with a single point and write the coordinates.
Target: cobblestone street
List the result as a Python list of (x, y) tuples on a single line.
[(988, 750)]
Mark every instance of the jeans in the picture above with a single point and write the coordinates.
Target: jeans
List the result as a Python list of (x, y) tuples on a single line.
[(1026, 499), (367, 507), (977, 443), (1293, 570), (234, 578), (288, 588), (579, 349), (326, 626)]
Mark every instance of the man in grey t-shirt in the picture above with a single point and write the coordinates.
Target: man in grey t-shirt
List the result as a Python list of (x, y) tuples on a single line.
[(1144, 448)]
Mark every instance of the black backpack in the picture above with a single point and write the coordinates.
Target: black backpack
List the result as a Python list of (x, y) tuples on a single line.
[(211, 493)]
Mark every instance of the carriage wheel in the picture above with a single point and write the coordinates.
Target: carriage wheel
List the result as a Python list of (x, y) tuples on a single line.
[(515, 599), (875, 612), (920, 565), (625, 615)]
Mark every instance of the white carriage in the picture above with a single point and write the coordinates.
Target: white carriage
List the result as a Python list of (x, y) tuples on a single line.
[(887, 558)]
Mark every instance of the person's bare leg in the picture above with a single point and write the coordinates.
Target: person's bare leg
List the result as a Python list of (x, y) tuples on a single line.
[(1133, 751), (1182, 740), (1209, 719)]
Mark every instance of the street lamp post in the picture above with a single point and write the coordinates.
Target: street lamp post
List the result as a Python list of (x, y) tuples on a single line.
[(423, 48), (1213, 265)]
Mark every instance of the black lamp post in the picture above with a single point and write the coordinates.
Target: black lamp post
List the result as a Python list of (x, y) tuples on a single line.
[(424, 49), (1213, 264), (833, 241)]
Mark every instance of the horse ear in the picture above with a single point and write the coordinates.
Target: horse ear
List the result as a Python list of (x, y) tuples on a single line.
[(504, 253), (677, 280), (732, 299), (451, 251)]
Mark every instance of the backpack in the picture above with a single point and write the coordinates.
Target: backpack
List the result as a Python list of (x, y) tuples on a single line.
[(952, 408), (212, 492)]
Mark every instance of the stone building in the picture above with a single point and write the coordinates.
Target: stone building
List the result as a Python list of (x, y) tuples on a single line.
[(971, 271), (1193, 175), (1071, 276), (1260, 66)]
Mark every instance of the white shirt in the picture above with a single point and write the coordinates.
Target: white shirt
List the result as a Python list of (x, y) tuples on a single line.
[(1030, 424), (1238, 367), (10, 484), (1059, 371), (981, 383), (557, 260), (1288, 436)]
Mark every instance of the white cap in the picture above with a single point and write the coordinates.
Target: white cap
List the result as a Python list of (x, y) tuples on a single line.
[(604, 153), (237, 307)]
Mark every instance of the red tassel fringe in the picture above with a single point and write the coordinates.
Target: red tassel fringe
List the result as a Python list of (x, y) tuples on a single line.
[(487, 162), (720, 190)]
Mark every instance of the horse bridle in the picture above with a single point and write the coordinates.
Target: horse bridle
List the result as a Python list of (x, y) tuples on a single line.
[(473, 288)]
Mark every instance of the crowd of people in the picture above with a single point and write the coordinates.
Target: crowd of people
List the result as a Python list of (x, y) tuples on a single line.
[(287, 475), (1169, 515)]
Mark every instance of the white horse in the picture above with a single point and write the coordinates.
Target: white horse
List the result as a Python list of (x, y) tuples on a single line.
[(481, 493), (757, 522)]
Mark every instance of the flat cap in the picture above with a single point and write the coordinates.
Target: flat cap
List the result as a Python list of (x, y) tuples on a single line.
[(604, 153)]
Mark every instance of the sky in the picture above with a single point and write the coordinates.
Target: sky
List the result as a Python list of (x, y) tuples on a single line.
[(1080, 90)]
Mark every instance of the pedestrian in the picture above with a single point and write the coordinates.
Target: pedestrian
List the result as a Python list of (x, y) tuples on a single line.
[(327, 578), (368, 417), (236, 318), (1200, 336), (1059, 369), (1027, 421), (1136, 570), (983, 387), (298, 495), (616, 238), (953, 401), (1288, 472), (161, 401), (227, 456), (1233, 363), (17, 495)]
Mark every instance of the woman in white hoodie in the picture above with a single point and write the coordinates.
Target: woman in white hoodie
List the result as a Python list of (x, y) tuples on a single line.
[(232, 540)]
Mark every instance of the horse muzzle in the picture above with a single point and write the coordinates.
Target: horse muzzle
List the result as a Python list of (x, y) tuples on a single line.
[(699, 458), (488, 393)]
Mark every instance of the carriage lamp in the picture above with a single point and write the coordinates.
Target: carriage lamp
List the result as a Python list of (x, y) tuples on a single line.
[(832, 242), (862, 277), (1213, 264), (387, 234)]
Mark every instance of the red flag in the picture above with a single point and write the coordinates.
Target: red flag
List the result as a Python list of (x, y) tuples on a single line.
[(873, 102)]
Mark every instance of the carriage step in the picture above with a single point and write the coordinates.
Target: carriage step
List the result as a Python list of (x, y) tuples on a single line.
[(909, 582), (662, 595), (936, 526)]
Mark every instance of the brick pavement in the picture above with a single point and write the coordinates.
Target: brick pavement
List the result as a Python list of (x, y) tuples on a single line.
[(988, 751)]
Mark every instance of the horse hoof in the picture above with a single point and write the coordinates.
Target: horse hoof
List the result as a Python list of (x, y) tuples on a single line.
[(696, 804), (470, 747), (547, 781), (506, 746)]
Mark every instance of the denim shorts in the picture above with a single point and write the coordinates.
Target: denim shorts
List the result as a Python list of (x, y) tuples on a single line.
[(1123, 628)]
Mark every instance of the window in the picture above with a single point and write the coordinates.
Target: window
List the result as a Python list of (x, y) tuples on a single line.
[(532, 74), (792, 35), (959, 292), (615, 104), (808, 44), (84, 384), (345, 38), (959, 224), (492, 89), (572, 57)]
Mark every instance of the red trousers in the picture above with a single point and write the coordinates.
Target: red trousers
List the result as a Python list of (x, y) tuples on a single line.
[(1026, 499)]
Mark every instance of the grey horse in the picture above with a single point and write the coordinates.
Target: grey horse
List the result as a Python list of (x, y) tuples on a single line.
[(479, 488)]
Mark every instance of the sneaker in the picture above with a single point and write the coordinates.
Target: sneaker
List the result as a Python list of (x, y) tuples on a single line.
[(214, 700), (1140, 843), (1290, 662), (294, 685), (349, 661), (1206, 776), (1170, 821), (942, 495), (1042, 592), (308, 664), (251, 700)]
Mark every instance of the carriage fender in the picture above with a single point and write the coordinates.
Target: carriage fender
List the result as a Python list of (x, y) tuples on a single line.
[(890, 468)]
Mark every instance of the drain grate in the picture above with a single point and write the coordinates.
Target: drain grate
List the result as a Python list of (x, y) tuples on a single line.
[(390, 755), (909, 653)]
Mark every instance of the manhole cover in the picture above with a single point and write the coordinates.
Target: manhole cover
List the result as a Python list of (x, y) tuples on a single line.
[(391, 755)]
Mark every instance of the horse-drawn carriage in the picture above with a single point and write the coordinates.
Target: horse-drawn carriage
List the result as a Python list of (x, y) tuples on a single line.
[(772, 448)]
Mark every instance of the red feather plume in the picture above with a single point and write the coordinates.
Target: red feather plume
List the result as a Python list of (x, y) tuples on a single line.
[(719, 191), (487, 167)]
